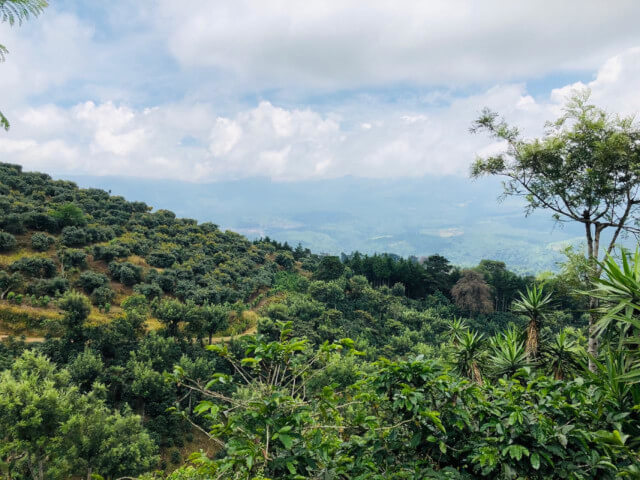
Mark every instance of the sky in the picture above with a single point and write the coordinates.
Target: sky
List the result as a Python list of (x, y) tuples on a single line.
[(205, 91)]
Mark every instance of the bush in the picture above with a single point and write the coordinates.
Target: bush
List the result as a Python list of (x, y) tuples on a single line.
[(40, 221), (41, 241), (72, 257), (69, 215), (74, 236), (13, 223), (110, 252), (35, 267), (17, 298), (103, 296), (89, 281), (149, 290), (52, 287), (126, 273), (285, 260), (160, 259), (7, 242), (99, 234), (176, 458)]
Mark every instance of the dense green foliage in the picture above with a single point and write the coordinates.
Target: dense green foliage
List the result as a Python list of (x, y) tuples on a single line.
[(167, 341)]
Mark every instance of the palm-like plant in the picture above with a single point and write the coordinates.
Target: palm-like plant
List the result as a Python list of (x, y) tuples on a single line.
[(455, 329), (562, 355), (13, 11), (469, 354), (619, 293), (508, 354), (535, 305)]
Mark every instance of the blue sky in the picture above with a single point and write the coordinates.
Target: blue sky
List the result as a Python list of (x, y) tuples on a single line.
[(206, 91)]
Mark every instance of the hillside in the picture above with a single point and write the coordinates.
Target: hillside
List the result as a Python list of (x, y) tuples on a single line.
[(56, 237), (134, 342)]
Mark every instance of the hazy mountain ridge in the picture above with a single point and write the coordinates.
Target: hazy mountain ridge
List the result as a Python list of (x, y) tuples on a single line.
[(418, 216)]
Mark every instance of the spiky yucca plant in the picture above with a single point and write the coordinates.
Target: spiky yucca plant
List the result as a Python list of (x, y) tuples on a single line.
[(508, 354), (469, 355), (455, 329), (535, 305), (562, 355)]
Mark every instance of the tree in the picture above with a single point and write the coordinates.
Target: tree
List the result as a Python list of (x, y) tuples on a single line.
[(171, 313), (9, 282), (330, 268), (108, 443), (7, 242), (535, 305), (472, 294), (508, 354), (504, 283), (13, 11), (35, 400), (49, 427), (215, 318), (77, 309), (585, 169), (69, 215)]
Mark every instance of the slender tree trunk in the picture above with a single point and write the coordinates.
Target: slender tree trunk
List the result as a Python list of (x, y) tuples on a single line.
[(531, 348), (89, 472), (592, 250), (477, 376), (593, 344)]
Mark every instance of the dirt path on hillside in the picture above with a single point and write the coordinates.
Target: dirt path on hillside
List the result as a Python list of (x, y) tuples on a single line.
[(250, 331), (4, 336)]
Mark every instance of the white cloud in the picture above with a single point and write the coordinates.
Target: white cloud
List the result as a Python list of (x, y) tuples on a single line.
[(342, 44), (362, 137)]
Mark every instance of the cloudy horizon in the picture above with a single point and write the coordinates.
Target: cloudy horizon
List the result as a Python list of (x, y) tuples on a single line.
[(230, 90)]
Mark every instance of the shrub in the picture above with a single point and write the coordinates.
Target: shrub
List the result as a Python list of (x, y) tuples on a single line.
[(72, 257), (40, 221), (74, 236), (126, 273), (103, 296), (110, 252), (89, 281), (7, 242), (52, 287), (149, 290), (160, 259), (41, 241), (69, 215), (13, 223), (285, 260), (34, 267), (99, 234), (176, 458)]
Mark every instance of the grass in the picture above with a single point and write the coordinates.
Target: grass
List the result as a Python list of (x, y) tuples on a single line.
[(27, 320), (200, 442), (7, 259)]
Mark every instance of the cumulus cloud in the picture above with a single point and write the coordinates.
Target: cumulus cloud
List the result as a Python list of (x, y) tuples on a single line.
[(341, 44), (289, 143), (84, 97)]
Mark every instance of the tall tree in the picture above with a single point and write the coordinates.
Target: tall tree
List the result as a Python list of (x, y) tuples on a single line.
[(13, 11), (472, 294), (585, 169)]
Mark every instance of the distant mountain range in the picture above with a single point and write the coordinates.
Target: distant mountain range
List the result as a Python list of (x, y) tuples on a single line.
[(459, 218)]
